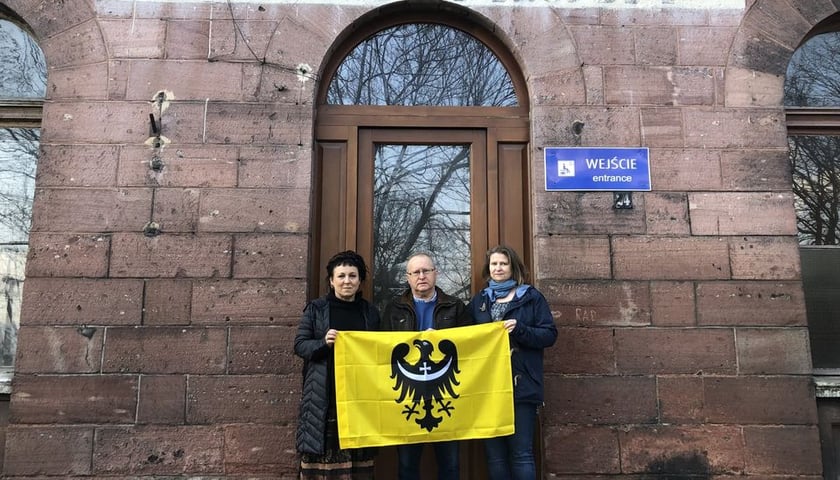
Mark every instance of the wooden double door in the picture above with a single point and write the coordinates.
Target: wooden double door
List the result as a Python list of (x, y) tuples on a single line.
[(452, 186)]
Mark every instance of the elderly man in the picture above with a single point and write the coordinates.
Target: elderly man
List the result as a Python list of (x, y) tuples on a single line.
[(424, 306)]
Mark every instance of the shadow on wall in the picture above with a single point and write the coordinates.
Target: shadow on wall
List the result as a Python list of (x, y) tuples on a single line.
[(686, 466)]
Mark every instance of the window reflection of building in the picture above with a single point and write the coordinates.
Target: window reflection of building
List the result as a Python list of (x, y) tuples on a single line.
[(812, 99), (22, 89)]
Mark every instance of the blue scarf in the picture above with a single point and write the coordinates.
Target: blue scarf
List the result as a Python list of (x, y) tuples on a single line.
[(500, 289)]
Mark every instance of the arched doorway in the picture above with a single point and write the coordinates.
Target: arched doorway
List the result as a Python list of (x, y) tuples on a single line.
[(421, 138)]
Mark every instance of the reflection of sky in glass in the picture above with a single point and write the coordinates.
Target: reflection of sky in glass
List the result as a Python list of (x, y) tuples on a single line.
[(23, 72), (421, 64), (421, 204), (813, 74)]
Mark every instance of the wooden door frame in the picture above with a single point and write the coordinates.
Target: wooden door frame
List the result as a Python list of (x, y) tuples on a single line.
[(336, 175)]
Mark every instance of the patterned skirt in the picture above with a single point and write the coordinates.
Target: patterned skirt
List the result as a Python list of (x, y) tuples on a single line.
[(335, 463)]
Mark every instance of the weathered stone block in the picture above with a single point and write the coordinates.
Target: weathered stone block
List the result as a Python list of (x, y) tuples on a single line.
[(582, 450), (682, 450), (750, 88), (167, 302), (764, 258), (672, 350), (96, 122), (275, 167), (600, 400), (162, 399), (265, 399), (270, 256), (165, 350), (258, 123), (750, 303), (48, 450), (583, 257), (186, 80), (171, 255), (77, 165), (90, 209), (254, 210), (742, 213), (734, 128), (598, 303), (656, 45), (685, 169), (666, 214), (134, 38), (704, 45), (661, 127), (782, 450), (580, 213), (81, 301), (183, 166), (670, 258), (95, 399), (672, 304), (60, 255), (582, 351), (737, 400), (614, 125), (773, 351), (278, 302), (601, 45), (176, 209), (254, 449), (187, 39), (627, 85), (80, 44), (263, 349), (756, 170), (59, 350), (152, 450), (79, 82)]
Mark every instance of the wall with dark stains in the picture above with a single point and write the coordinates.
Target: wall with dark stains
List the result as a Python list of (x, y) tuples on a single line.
[(169, 252)]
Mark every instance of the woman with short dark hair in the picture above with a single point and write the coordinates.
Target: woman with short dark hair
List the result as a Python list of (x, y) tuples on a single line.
[(341, 309)]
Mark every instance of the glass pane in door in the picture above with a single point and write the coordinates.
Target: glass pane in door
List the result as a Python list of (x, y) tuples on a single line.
[(421, 203)]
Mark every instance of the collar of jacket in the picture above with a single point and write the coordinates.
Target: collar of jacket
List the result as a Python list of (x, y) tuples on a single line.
[(407, 298)]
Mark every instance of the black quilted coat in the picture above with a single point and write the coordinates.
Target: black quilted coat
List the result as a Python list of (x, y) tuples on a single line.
[(312, 348)]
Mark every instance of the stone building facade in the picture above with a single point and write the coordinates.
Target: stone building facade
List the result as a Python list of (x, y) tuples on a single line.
[(161, 301)]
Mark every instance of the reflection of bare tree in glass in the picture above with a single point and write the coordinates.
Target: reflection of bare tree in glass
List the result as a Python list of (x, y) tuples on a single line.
[(816, 173), (815, 160), (421, 203), (23, 72), (23, 76), (18, 161), (422, 64)]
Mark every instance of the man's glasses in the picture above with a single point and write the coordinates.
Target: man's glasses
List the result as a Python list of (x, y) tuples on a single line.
[(422, 271)]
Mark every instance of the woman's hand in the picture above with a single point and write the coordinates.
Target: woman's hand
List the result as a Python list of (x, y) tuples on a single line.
[(510, 324), (330, 337)]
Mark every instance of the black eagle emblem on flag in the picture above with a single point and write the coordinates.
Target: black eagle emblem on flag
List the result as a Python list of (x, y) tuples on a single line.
[(427, 381)]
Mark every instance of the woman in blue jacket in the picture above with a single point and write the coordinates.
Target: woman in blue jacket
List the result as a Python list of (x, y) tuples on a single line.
[(527, 317)]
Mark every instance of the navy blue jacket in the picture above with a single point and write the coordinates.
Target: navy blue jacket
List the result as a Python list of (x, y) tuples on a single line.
[(535, 331)]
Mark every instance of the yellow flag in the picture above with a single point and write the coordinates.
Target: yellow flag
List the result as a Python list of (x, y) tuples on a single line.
[(397, 388)]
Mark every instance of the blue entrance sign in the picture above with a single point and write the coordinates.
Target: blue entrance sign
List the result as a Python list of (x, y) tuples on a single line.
[(597, 169)]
